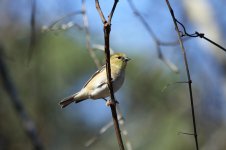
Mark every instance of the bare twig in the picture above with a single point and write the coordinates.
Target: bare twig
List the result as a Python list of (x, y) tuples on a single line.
[(102, 130), (70, 24), (100, 12), (112, 11), (109, 125), (51, 27), (188, 73), (158, 42), (201, 35), (107, 30), (62, 27), (101, 47), (124, 131), (169, 84), (88, 43), (27, 123), (186, 133), (32, 30)]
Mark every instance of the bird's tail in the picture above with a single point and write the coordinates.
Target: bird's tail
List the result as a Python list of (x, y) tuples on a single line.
[(68, 100)]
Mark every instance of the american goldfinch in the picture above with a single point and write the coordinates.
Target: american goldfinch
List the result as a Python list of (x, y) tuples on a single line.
[(96, 87)]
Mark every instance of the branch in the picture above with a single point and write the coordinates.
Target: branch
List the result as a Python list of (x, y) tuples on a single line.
[(70, 24), (32, 30), (201, 35), (100, 11), (158, 42), (88, 43), (188, 74), (27, 123), (124, 131), (112, 11), (170, 84), (107, 30), (102, 130), (101, 47), (64, 17), (107, 126)]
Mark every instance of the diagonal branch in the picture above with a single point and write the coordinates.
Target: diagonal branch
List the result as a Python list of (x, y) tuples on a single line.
[(88, 43), (51, 27), (27, 123), (188, 73), (107, 126), (32, 30), (157, 41), (112, 11), (107, 30), (201, 35), (100, 11), (102, 130)]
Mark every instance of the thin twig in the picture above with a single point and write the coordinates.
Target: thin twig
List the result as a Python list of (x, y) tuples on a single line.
[(201, 35), (32, 30), (112, 11), (158, 42), (53, 27), (27, 123), (101, 47), (169, 84), (124, 131), (86, 27), (102, 130), (100, 12), (107, 30), (214, 43), (88, 43), (62, 27), (108, 126), (188, 74), (186, 133), (62, 18)]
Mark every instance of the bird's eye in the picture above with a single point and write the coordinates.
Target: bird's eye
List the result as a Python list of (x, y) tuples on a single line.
[(119, 57)]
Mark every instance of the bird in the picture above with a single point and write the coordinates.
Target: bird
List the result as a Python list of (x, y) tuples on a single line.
[(96, 87)]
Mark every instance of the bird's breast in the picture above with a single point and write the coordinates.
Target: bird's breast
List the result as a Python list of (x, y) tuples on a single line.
[(118, 81)]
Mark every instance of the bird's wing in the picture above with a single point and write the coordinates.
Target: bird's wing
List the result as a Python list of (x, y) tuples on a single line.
[(97, 72)]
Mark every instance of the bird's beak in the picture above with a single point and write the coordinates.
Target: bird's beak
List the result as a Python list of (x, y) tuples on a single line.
[(127, 59)]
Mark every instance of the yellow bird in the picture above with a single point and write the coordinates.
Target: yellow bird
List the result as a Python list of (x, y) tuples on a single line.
[(96, 87)]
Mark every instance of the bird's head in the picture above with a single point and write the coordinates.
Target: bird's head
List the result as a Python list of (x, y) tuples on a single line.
[(119, 59)]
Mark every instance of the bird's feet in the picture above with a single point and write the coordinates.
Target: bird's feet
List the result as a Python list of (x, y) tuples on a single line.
[(110, 102)]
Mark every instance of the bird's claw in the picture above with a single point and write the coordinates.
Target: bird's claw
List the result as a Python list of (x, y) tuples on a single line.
[(110, 102)]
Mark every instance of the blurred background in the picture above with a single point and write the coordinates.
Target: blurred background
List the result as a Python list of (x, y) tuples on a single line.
[(60, 64)]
